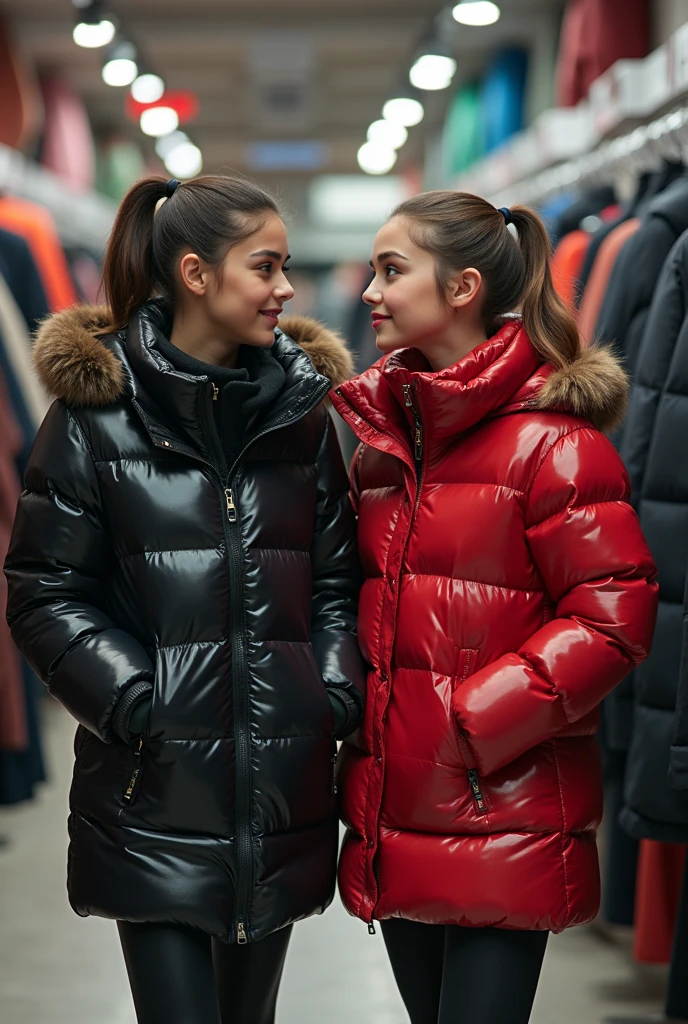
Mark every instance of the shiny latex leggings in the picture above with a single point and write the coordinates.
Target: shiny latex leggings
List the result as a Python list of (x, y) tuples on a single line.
[(179, 975), (450, 975)]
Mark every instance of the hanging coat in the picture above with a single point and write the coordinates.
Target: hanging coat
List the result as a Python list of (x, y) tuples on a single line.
[(653, 449), (137, 556), (508, 589)]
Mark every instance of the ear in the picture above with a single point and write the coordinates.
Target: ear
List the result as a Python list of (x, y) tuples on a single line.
[(193, 273), (463, 287)]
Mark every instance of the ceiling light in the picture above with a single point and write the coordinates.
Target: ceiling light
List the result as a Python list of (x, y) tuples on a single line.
[(147, 88), (374, 158), (432, 71), (93, 34), (184, 161), (387, 133), (403, 110), (158, 121), (476, 12), (166, 143), (121, 68), (92, 28)]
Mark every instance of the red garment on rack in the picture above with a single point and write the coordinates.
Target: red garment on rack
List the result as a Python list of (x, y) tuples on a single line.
[(13, 731), (68, 148), (37, 227), (657, 893), (596, 288), (595, 34), (21, 110), (567, 264)]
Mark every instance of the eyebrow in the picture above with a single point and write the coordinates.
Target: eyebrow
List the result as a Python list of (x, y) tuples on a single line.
[(389, 255), (271, 253)]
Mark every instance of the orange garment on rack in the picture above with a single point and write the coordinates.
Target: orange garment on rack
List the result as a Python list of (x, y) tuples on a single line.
[(567, 264), (657, 894), (596, 288), (37, 227)]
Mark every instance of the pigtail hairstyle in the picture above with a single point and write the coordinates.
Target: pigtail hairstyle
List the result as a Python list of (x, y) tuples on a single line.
[(207, 215), (462, 230)]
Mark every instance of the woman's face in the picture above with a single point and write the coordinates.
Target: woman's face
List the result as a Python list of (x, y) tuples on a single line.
[(249, 289), (409, 310)]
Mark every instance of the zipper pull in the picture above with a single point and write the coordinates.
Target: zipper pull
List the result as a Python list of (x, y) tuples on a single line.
[(474, 782), (215, 391), (135, 774), (334, 773), (419, 442), (231, 507), (406, 388), (241, 934), (371, 929)]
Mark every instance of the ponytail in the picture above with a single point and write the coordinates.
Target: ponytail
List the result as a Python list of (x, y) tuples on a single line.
[(548, 322), (462, 230), (127, 270), (209, 215)]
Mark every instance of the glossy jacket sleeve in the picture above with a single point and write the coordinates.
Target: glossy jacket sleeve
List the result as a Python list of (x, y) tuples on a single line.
[(336, 575), (597, 569), (57, 570)]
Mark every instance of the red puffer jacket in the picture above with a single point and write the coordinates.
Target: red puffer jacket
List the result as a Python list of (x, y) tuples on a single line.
[(508, 589)]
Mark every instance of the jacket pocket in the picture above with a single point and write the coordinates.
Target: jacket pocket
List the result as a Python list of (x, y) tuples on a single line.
[(465, 667), (134, 780)]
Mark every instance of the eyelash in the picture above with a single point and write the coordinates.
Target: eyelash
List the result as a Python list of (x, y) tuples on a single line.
[(267, 267), (390, 267)]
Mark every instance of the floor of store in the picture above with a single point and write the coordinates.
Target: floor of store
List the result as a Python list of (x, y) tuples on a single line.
[(55, 967)]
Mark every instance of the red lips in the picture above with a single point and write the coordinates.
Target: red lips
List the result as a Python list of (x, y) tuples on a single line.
[(379, 318)]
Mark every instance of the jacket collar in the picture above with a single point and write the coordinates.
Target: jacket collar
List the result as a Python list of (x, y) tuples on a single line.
[(503, 375), (79, 361)]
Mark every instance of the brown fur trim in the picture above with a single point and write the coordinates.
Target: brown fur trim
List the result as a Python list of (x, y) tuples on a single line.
[(325, 348), (72, 363), (595, 387)]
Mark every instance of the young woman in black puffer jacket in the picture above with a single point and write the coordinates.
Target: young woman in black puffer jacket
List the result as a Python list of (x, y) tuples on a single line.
[(183, 577)]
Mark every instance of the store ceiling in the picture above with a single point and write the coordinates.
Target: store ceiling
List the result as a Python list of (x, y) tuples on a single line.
[(338, 60)]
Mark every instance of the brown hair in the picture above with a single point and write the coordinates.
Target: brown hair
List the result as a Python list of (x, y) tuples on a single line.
[(461, 230), (208, 214)]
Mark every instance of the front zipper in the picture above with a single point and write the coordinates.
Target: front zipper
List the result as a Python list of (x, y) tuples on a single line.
[(409, 393), (239, 660), (418, 423), (132, 788)]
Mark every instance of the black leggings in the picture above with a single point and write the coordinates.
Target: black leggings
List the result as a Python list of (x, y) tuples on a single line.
[(450, 975), (179, 975)]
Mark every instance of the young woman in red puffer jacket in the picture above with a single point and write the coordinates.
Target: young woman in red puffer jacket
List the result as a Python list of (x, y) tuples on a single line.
[(508, 589)]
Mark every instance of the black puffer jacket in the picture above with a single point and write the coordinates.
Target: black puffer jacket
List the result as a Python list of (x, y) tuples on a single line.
[(137, 555), (633, 280), (654, 450)]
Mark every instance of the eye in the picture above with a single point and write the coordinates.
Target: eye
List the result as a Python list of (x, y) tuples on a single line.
[(391, 270), (285, 270)]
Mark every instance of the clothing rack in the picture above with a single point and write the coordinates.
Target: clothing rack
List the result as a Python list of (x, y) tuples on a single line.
[(625, 157), (82, 218)]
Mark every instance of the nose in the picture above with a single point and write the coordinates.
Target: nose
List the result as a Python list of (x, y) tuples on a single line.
[(372, 295), (284, 291)]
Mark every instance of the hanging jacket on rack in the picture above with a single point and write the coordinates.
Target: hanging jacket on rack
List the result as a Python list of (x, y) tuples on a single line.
[(678, 763), (19, 269), (37, 227), (634, 278), (653, 450), (598, 283)]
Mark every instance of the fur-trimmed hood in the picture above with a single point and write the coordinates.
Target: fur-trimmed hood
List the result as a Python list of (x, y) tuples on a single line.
[(74, 362), (595, 387)]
